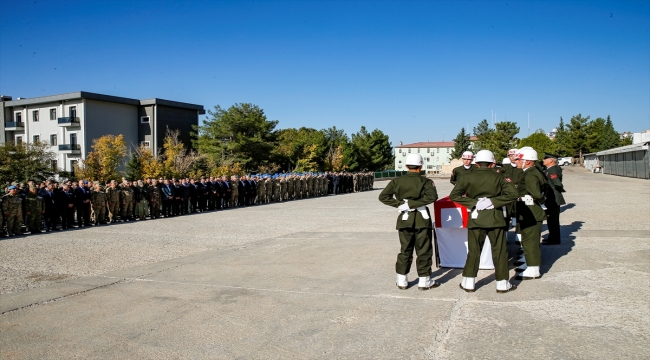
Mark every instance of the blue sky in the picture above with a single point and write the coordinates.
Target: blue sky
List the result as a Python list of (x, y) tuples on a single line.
[(414, 69)]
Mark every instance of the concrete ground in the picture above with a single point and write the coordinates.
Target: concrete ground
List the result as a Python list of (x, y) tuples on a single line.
[(315, 279)]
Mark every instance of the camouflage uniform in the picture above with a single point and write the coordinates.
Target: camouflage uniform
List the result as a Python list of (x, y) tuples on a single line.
[(290, 186), (113, 197), (98, 203), (261, 191), (269, 190), (12, 207), (283, 188), (34, 207), (234, 194), (126, 202), (155, 200)]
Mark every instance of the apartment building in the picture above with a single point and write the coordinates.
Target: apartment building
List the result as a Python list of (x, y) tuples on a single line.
[(70, 122), (435, 154)]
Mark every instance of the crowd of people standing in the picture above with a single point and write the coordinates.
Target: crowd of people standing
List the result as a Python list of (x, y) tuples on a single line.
[(53, 205)]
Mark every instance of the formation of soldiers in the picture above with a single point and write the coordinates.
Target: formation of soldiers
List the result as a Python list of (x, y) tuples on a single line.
[(50, 205), (528, 191)]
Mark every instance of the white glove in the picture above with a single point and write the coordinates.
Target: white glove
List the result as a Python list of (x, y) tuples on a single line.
[(403, 207), (484, 204), (528, 200)]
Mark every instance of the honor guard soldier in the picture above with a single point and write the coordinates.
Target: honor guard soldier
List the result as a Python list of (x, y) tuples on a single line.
[(467, 158), (485, 192), (554, 198), (529, 211), (411, 194)]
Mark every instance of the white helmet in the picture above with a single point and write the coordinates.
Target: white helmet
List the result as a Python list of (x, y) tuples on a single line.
[(484, 156), (467, 155), (527, 154), (414, 159), (512, 152), (506, 161)]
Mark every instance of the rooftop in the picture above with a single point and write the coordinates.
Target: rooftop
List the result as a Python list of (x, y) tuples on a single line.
[(432, 144), (101, 97)]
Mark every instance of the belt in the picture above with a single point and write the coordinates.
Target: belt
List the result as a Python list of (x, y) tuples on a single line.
[(422, 210)]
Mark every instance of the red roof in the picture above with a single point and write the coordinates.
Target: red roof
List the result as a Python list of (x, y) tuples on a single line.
[(432, 144), (428, 144)]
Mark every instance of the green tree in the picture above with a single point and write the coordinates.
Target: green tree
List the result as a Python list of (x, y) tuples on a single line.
[(239, 134), (561, 139), (611, 138), (503, 138), (576, 136), (133, 167), (596, 135), (483, 134), (335, 139), (461, 144), (540, 142), (370, 151), (300, 144), (25, 161)]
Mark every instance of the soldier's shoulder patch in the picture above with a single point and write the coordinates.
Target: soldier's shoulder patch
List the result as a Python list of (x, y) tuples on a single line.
[(508, 179), (553, 176)]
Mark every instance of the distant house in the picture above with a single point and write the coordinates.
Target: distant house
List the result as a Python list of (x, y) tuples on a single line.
[(435, 154)]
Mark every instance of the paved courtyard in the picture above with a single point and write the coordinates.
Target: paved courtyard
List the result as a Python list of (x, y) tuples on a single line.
[(315, 279)]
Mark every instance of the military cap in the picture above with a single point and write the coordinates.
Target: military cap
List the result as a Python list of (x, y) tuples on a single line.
[(12, 187), (551, 156)]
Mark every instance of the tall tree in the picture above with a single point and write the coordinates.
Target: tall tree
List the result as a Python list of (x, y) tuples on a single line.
[(611, 138), (596, 135), (241, 134), (503, 138), (576, 137), (461, 144), (334, 141), (483, 134), (561, 139), (540, 142), (133, 171), (25, 161)]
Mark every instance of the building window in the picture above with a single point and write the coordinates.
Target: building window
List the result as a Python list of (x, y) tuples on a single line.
[(429, 167), (19, 140), (35, 115), (438, 150), (448, 150), (399, 162), (19, 117), (399, 166), (73, 112), (144, 119), (53, 141), (73, 139), (54, 165), (400, 151), (36, 139), (428, 159), (409, 151), (145, 143), (428, 150), (73, 163)]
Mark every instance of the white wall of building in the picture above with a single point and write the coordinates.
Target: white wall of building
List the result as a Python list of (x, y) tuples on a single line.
[(434, 157)]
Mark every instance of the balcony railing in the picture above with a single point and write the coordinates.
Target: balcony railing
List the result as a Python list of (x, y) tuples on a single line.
[(14, 125), (69, 121), (70, 147)]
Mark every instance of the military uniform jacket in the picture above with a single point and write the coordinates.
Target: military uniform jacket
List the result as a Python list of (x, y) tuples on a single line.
[(458, 172), (484, 183), (12, 204), (532, 183), (419, 191), (33, 203), (113, 195), (554, 178)]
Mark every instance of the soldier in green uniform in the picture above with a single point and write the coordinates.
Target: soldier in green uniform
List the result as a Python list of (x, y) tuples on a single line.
[(290, 185), (113, 197), (283, 188), (529, 211), (276, 189), (12, 207), (485, 192), (98, 201), (155, 199), (459, 171), (411, 194), (511, 173), (126, 201), (34, 209), (554, 198)]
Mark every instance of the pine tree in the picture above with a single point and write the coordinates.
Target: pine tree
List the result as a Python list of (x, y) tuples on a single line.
[(461, 144), (133, 167), (560, 139), (611, 139)]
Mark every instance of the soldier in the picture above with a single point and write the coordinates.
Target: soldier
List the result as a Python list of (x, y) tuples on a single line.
[(411, 194), (126, 201), (234, 194), (554, 198), (65, 202), (261, 191), (12, 207), (141, 200), (290, 187), (467, 158), (485, 192), (529, 212), (283, 188), (167, 197), (276, 189), (34, 210), (98, 200), (155, 199)]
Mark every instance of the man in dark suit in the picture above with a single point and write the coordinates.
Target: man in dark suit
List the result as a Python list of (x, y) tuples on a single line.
[(48, 198), (243, 188), (82, 201), (167, 198), (65, 202)]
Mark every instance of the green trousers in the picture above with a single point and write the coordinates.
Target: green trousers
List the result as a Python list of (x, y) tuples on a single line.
[(531, 233), (475, 242), (420, 241), (141, 209), (33, 222)]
